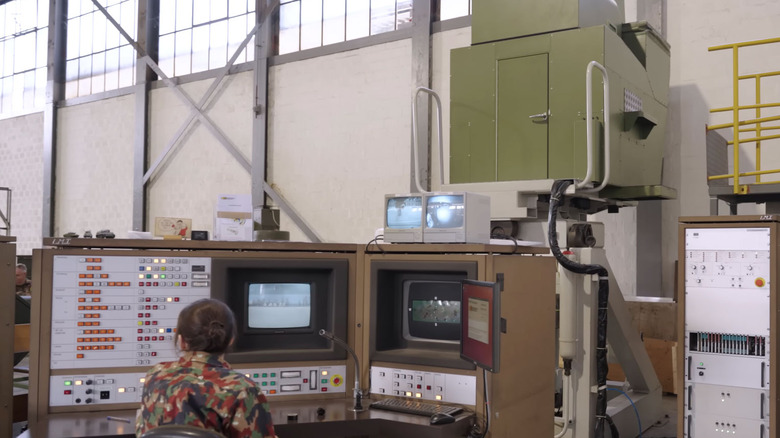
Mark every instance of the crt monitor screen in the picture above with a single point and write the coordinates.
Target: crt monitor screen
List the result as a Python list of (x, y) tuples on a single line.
[(432, 310), (404, 212), (445, 211), (480, 330), (279, 305)]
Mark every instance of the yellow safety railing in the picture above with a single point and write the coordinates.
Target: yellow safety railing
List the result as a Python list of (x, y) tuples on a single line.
[(738, 125)]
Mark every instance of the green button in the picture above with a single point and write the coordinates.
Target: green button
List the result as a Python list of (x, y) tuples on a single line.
[(324, 380), (257, 375), (265, 374), (68, 383), (273, 374), (148, 275), (265, 383), (273, 383), (162, 276)]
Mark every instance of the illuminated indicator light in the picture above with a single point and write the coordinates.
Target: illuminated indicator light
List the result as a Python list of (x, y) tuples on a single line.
[(162, 268), (169, 299), (140, 323), (98, 260), (408, 394), (162, 260), (176, 299), (82, 276), (126, 283), (265, 375), (78, 382), (273, 383), (438, 397), (155, 276), (265, 384), (324, 380), (142, 380), (160, 330), (79, 356), (273, 374), (120, 390), (162, 276), (324, 372), (148, 268), (701, 364), (68, 382), (257, 375), (273, 391), (157, 260), (248, 375), (418, 395)]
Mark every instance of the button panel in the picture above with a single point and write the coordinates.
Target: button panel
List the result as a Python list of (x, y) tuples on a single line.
[(298, 380), (90, 389), (451, 388), (118, 311)]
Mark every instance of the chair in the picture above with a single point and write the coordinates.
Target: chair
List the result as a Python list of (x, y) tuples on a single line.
[(179, 431)]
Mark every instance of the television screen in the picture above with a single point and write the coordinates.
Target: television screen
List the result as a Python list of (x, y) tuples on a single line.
[(404, 212), (445, 211), (436, 311), (279, 305)]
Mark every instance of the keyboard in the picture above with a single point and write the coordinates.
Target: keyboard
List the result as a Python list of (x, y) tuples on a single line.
[(414, 407)]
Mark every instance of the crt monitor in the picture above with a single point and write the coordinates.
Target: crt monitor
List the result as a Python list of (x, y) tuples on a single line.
[(280, 306), (456, 217), (481, 324), (403, 218), (415, 311)]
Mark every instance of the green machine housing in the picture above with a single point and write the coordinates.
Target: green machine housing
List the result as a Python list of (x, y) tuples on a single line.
[(518, 96)]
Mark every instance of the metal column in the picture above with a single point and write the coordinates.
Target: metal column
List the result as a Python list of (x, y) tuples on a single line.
[(421, 77)]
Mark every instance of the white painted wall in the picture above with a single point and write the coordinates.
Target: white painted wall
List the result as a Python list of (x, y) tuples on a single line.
[(200, 167), (339, 138), (21, 170), (94, 168)]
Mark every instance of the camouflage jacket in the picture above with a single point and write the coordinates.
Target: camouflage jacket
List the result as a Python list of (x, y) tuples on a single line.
[(24, 288), (201, 390)]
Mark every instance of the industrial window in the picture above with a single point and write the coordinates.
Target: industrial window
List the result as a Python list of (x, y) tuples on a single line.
[(198, 35), (23, 53), (305, 24), (454, 8), (98, 58)]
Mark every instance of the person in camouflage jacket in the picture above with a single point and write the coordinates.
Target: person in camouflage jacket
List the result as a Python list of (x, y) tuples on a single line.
[(201, 389)]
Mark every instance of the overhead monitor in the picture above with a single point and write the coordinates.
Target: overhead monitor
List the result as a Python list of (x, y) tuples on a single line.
[(481, 324), (404, 218), (456, 217)]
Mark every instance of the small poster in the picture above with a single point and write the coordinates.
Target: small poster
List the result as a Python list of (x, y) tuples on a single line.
[(172, 226)]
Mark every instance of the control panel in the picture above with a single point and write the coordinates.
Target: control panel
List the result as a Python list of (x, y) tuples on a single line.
[(727, 331), (118, 311), (299, 380), (90, 389), (426, 385)]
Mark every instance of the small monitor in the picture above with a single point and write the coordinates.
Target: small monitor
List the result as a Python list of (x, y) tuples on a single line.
[(481, 324), (456, 217), (403, 218)]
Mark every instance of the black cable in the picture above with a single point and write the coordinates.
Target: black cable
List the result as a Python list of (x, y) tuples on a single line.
[(506, 237), (556, 195), (613, 430), (375, 241)]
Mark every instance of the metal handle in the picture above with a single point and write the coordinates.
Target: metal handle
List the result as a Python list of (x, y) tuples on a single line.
[(543, 116), (762, 406), (690, 397), (414, 136), (761, 432), (589, 126), (690, 361), (690, 420), (762, 374)]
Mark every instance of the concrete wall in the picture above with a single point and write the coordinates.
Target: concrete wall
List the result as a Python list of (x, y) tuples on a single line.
[(200, 167), (21, 170), (94, 168), (339, 134)]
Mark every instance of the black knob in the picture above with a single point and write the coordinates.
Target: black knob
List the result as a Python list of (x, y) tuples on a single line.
[(78, 400), (88, 382), (320, 412), (701, 373), (89, 391), (88, 401)]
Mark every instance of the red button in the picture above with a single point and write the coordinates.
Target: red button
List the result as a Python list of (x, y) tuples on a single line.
[(176, 299), (419, 386), (305, 380), (140, 338), (324, 390), (154, 353), (140, 283), (760, 282), (67, 392)]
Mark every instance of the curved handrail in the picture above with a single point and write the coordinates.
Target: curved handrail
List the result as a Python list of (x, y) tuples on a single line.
[(589, 126), (414, 136)]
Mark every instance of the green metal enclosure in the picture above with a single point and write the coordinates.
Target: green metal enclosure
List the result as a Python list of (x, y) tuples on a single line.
[(518, 105)]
